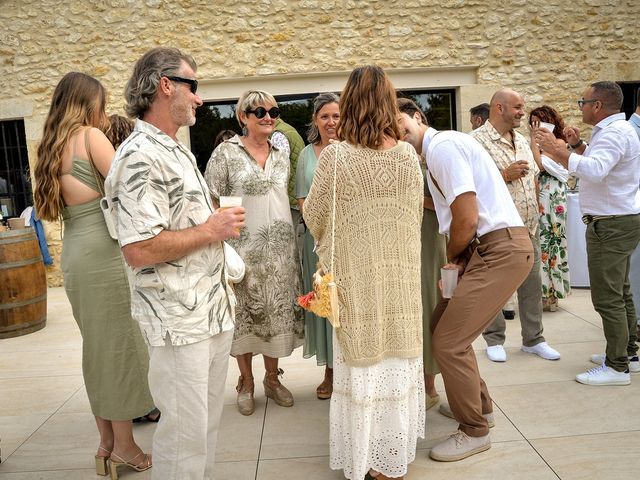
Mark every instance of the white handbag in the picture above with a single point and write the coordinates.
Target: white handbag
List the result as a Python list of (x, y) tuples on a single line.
[(233, 264)]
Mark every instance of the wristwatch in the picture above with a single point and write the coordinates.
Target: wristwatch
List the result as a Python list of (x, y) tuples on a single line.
[(577, 145)]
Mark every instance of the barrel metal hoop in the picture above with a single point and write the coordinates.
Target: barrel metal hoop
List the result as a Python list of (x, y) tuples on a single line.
[(18, 239), (21, 263), (24, 303)]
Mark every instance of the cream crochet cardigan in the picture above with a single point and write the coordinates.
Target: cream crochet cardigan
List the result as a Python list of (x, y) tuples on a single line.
[(377, 247)]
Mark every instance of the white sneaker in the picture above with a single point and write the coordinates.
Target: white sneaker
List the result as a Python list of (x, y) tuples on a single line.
[(496, 353), (604, 375), (543, 350), (459, 446), (634, 363)]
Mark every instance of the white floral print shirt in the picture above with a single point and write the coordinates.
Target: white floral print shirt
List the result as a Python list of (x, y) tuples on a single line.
[(154, 185)]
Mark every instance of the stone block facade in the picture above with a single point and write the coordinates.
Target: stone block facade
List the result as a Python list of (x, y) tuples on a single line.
[(548, 50)]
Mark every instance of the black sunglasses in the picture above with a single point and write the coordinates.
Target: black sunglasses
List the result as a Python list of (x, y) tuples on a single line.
[(193, 84), (261, 112)]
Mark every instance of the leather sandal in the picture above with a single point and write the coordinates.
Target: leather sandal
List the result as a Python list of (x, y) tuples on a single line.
[(102, 468), (116, 461), (153, 416), (274, 390), (245, 402), (325, 389)]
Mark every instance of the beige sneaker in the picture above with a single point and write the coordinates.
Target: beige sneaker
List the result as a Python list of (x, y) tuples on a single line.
[(458, 446), (445, 410)]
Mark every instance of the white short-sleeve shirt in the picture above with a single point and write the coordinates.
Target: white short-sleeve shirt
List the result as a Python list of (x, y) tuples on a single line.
[(459, 164)]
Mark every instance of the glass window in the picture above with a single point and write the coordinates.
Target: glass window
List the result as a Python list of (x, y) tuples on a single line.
[(213, 117), (15, 184), (629, 90), (438, 106)]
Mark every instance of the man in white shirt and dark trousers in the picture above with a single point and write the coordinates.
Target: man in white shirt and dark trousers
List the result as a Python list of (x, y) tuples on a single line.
[(609, 173), (634, 273), (491, 249)]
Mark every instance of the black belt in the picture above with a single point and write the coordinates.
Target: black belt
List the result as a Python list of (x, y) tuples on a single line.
[(587, 219)]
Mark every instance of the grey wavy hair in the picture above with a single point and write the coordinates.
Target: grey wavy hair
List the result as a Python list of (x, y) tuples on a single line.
[(252, 99), (313, 134), (142, 87)]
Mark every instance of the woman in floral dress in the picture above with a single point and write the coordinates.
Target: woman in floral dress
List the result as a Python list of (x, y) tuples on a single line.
[(553, 215), (268, 320)]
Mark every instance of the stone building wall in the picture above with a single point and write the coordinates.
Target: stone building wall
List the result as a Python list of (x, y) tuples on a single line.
[(548, 50)]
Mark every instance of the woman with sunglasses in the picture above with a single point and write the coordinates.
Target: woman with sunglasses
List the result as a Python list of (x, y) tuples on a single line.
[(378, 403), (73, 158), (318, 331), (268, 319)]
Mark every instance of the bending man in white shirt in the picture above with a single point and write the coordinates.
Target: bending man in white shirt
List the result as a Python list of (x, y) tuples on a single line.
[(491, 249)]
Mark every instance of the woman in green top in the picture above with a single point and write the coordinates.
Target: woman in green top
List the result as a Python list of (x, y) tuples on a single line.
[(317, 330)]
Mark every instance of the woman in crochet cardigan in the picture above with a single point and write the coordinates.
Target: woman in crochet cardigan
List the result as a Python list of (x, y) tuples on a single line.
[(378, 402)]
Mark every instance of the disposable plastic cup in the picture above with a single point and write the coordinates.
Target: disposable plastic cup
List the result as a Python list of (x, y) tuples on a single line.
[(230, 202), (449, 278), (548, 126)]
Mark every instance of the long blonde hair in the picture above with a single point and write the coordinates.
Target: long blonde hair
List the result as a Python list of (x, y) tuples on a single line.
[(78, 101)]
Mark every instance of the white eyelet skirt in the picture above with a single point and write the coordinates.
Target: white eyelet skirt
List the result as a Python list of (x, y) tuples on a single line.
[(377, 414)]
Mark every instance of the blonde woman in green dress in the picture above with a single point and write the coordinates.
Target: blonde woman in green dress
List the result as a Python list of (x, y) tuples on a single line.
[(317, 330), (115, 359)]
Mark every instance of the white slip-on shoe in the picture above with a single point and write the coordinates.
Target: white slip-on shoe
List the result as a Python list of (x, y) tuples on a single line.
[(543, 350), (604, 375), (445, 410), (458, 446), (496, 353), (634, 363)]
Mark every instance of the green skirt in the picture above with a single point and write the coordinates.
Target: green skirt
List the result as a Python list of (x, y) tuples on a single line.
[(434, 256), (317, 330), (115, 359)]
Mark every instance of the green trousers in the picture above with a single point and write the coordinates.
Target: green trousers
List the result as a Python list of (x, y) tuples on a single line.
[(610, 243)]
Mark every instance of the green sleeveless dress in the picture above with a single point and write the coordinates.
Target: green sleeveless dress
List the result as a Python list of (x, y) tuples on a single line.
[(115, 359)]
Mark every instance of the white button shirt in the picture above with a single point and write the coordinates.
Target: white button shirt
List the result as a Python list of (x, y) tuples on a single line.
[(460, 164), (609, 170)]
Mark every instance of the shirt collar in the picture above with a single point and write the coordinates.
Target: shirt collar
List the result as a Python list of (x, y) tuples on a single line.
[(426, 140), (238, 141), (495, 134), (158, 135), (609, 120)]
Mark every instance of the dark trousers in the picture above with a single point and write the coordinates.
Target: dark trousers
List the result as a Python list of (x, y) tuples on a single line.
[(610, 243)]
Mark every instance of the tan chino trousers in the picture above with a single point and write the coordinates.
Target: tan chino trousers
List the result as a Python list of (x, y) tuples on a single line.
[(494, 271)]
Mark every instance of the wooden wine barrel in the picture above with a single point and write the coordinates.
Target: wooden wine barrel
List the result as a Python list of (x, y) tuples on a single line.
[(23, 284)]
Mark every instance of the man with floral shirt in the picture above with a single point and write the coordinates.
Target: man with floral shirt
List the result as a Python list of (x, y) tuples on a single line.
[(172, 240), (511, 153)]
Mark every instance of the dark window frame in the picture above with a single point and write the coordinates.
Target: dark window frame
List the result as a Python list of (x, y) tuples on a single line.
[(294, 112), (14, 168)]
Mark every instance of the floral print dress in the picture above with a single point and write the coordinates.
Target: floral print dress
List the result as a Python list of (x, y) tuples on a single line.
[(553, 239), (268, 319)]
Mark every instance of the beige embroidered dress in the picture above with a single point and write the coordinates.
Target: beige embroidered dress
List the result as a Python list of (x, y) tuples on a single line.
[(378, 403), (268, 319)]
